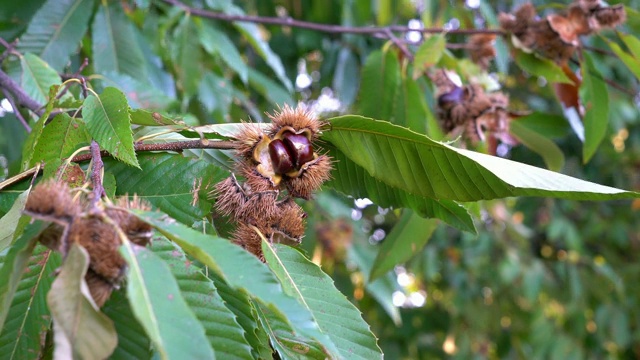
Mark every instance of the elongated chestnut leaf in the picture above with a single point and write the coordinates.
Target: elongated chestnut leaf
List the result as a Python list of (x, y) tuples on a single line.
[(335, 315), (418, 165), (108, 122), (407, 238), (223, 331), (354, 180), (232, 263), (158, 305)]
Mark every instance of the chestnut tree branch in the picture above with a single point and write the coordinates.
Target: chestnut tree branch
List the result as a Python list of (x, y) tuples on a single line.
[(327, 28), (20, 96)]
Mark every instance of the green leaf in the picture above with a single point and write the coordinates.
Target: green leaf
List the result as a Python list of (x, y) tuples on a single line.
[(28, 317), (32, 140), (414, 163), (346, 76), (80, 329), (362, 255), (335, 315), (631, 62), (428, 54), (139, 93), (216, 42), (284, 340), (223, 331), (632, 43), (596, 102), (411, 109), (380, 81), (240, 304), (157, 303), (253, 35), (108, 122), (133, 342), (153, 118), (56, 31), (353, 180), (37, 77), (550, 152), (216, 93), (9, 223), (270, 89), (186, 56), (547, 125), (15, 264), (546, 68), (409, 235), (114, 44), (175, 184), (232, 263), (60, 138)]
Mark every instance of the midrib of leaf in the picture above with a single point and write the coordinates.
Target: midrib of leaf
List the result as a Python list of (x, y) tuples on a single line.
[(272, 334), (61, 25), (24, 319), (295, 286)]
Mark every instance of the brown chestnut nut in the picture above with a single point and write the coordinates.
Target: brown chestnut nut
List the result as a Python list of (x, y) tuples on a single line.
[(280, 157), (300, 147)]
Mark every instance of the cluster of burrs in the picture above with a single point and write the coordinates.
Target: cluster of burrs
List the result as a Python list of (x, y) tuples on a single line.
[(73, 222), (275, 164)]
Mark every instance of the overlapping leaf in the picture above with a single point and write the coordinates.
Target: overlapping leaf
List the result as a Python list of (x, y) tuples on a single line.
[(380, 80), (114, 44), (550, 152), (284, 339), (60, 138), (232, 263), (177, 185), (37, 77), (408, 236), (416, 164), (428, 54), (352, 179), (108, 122), (596, 101), (28, 315), (216, 42), (186, 56), (538, 66), (223, 331), (133, 342), (242, 306), (9, 223), (335, 315), (158, 305)]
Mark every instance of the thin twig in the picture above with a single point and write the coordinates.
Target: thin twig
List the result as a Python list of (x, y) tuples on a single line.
[(20, 96), (368, 30), (599, 51), (16, 111), (399, 44), (172, 146), (9, 48), (96, 174)]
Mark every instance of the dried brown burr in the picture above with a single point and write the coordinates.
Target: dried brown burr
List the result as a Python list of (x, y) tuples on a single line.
[(277, 164), (557, 36), (481, 49), (469, 108), (52, 201)]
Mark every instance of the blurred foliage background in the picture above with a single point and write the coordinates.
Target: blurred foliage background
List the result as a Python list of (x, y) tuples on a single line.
[(542, 278)]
